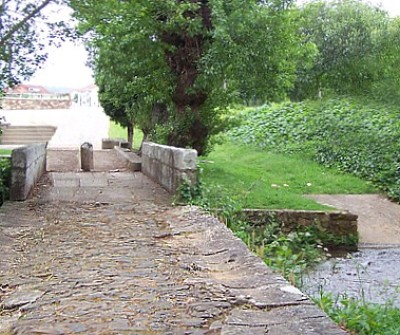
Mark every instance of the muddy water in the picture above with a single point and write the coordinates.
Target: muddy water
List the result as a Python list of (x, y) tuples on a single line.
[(372, 273)]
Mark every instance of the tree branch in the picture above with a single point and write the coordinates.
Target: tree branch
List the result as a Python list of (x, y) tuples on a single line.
[(18, 25)]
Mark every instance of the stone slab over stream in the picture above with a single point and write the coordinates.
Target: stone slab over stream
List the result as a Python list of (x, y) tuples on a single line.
[(105, 253)]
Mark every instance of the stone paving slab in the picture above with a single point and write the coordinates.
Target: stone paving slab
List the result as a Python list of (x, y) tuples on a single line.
[(102, 187), (76, 262)]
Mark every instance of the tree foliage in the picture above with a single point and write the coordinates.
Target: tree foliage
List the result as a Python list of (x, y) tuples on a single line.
[(24, 32), (189, 58), (387, 87), (347, 34)]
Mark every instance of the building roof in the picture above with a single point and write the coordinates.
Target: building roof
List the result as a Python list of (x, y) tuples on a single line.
[(88, 88), (28, 88)]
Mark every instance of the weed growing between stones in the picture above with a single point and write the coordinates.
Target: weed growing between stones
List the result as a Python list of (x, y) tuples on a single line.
[(360, 316), (290, 254)]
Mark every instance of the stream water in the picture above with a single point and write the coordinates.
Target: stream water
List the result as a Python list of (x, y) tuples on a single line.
[(372, 273)]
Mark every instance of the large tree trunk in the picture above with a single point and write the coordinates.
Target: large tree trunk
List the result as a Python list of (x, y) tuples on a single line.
[(130, 130), (145, 138), (183, 62)]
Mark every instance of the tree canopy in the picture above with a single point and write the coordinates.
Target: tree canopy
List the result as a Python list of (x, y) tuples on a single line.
[(24, 32), (189, 58), (348, 35)]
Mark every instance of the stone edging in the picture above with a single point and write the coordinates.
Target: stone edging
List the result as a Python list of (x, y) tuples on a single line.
[(133, 161), (169, 166), (339, 223), (28, 164)]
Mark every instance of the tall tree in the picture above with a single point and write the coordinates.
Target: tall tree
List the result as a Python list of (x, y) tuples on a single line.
[(24, 30), (346, 33), (387, 86), (191, 56)]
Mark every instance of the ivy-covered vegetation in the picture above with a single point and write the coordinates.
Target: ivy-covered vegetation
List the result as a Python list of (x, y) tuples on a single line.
[(5, 175), (349, 134)]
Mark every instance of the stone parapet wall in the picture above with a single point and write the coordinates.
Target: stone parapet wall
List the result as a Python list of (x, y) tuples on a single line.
[(336, 222), (27, 104), (169, 166), (28, 164)]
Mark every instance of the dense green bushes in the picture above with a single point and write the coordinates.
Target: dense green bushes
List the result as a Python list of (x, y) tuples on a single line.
[(5, 175), (360, 316), (349, 134)]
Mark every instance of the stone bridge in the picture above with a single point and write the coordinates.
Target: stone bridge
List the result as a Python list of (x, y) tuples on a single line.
[(105, 252)]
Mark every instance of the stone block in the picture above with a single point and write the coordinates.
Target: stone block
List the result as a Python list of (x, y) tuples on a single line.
[(169, 166), (27, 166), (185, 159), (134, 162), (124, 144), (107, 143), (148, 149), (110, 143), (338, 223)]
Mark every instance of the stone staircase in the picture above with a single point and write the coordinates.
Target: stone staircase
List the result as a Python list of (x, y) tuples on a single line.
[(17, 135)]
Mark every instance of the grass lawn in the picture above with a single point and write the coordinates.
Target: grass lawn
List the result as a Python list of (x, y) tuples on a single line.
[(258, 179), (5, 152), (116, 131)]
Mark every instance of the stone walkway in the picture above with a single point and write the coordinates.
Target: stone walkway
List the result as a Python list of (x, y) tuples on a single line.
[(378, 218), (106, 253)]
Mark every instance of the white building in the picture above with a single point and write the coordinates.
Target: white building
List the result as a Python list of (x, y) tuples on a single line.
[(86, 97)]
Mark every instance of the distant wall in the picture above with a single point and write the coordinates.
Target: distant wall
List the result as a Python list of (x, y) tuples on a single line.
[(169, 166), (35, 104), (28, 164)]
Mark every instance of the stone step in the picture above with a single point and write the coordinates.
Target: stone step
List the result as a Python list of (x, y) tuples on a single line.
[(26, 134), (13, 128), (133, 160)]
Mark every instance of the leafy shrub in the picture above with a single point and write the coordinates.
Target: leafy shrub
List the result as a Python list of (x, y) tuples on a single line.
[(353, 136), (278, 127), (360, 316), (5, 176), (290, 254)]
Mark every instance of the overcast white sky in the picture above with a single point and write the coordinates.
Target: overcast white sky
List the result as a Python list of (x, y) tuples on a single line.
[(66, 65)]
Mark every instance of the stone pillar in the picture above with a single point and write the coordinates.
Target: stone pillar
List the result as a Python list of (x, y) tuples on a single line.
[(87, 156)]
